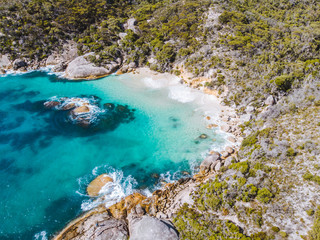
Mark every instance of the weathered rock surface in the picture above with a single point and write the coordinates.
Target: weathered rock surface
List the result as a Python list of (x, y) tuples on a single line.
[(81, 68), (208, 161), (4, 61), (231, 139), (225, 128), (150, 228), (131, 25), (95, 186), (68, 53), (96, 224), (270, 100), (19, 63), (122, 209)]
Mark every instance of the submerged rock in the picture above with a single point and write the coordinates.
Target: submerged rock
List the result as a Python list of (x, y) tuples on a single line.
[(80, 110), (203, 136), (97, 184), (150, 228), (51, 104), (87, 113)]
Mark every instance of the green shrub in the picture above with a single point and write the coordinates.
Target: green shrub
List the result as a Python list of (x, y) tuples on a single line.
[(314, 234), (250, 140), (309, 177), (283, 82), (264, 195), (291, 152), (283, 234)]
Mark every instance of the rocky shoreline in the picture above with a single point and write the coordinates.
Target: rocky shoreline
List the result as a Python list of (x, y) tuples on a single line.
[(121, 219)]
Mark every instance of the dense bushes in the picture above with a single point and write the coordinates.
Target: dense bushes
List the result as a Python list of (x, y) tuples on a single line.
[(314, 234)]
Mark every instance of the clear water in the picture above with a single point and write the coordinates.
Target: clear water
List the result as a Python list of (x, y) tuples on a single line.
[(45, 166)]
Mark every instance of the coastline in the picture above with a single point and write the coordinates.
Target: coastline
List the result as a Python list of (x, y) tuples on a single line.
[(164, 202), (173, 195)]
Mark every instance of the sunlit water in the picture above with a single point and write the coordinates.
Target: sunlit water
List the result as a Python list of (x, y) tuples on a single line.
[(46, 164)]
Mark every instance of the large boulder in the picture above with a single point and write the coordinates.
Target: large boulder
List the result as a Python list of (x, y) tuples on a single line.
[(81, 68), (270, 100), (207, 163), (68, 53), (4, 61), (150, 228), (95, 225), (19, 63), (99, 182)]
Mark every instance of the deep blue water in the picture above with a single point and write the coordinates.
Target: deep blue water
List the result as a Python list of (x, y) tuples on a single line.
[(46, 162)]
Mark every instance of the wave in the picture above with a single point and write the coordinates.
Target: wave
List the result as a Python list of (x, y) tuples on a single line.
[(91, 115), (41, 236), (110, 193)]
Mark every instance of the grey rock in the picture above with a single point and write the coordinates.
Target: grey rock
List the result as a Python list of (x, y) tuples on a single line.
[(132, 65), (231, 172), (228, 161), (122, 35), (150, 228), (19, 63), (226, 118), (225, 154), (229, 150), (52, 60), (131, 25), (218, 166), (270, 100), (231, 139), (225, 128), (99, 226), (246, 117), (60, 67), (81, 68), (4, 61), (250, 109), (208, 161), (68, 53)]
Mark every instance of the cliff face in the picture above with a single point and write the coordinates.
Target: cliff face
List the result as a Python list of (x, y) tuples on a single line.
[(261, 57)]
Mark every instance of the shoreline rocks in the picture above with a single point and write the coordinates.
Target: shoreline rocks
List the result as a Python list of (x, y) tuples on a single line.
[(147, 228), (97, 184), (81, 68)]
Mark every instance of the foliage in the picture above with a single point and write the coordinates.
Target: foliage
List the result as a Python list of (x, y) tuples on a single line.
[(314, 234)]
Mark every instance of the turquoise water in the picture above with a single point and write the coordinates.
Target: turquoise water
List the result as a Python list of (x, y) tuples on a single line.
[(46, 163)]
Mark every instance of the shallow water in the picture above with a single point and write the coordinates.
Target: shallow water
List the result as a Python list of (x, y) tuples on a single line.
[(46, 164)]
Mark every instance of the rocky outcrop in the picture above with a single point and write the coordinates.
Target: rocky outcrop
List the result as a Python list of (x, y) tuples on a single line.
[(150, 228), (207, 163), (81, 68), (270, 100), (98, 183), (96, 224), (19, 63), (61, 59), (123, 208), (4, 61)]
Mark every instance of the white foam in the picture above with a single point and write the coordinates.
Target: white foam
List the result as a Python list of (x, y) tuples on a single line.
[(92, 115), (112, 192), (41, 236), (181, 94), (159, 83)]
